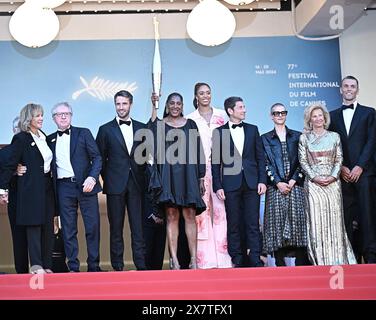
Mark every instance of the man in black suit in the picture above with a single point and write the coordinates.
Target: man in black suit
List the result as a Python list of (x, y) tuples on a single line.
[(4, 155), (19, 237), (75, 170), (123, 176), (356, 126), (21, 256), (239, 178)]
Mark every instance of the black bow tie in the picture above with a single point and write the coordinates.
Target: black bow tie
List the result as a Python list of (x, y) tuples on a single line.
[(60, 133), (237, 125), (350, 106), (128, 122)]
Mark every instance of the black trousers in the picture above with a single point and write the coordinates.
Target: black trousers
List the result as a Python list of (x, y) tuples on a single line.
[(70, 197), (243, 213), (360, 217), (131, 199), (19, 235), (40, 238)]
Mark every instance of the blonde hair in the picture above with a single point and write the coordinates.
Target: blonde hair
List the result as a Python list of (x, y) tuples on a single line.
[(27, 113), (308, 112)]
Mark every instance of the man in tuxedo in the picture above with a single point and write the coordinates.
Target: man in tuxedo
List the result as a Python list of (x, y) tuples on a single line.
[(356, 126), (75, 170), (4, 155), (19, 237), (239, 178), (123, 177)]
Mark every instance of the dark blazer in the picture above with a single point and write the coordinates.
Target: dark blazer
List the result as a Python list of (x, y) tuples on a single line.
[(274, 160), (252, 159), (84, 156), (31, 186), (4, 155), (118, 162), (359, 146)]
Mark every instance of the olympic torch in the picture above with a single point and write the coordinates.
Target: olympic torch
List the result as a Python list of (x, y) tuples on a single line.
[(157, 67)]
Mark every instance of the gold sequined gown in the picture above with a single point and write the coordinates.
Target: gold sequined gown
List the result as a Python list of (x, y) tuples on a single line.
[(328, 243)]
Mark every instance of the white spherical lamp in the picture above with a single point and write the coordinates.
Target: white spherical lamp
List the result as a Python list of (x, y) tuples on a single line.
[(33, 26), (210, 23), (45, 3), (239, 2)]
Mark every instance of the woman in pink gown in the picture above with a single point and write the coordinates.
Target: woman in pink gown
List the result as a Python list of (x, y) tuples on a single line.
[(211, 224)]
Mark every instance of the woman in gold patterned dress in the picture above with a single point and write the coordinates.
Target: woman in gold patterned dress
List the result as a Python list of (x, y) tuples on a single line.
[(320, 156)]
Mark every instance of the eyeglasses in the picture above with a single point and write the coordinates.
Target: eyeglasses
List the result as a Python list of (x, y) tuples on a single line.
[(60, 114), (279, 113)]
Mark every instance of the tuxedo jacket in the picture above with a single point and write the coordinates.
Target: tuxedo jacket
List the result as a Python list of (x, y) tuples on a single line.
[(358, 146), (84, 157), (4, 155), (252, 161), (31, 192), (118, 161)]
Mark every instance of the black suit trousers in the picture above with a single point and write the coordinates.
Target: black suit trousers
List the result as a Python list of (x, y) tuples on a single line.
[(131, 199), (242, 213), (19, 235), (358, 206), (40, 238), (70, 197)]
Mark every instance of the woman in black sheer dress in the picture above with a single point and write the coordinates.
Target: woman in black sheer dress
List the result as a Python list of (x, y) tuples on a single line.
[(181, 166)]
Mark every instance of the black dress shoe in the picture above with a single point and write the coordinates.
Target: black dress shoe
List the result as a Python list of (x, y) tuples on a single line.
[(96, 269), (142, 269), (255, 262), (118, 268), (74, 270)]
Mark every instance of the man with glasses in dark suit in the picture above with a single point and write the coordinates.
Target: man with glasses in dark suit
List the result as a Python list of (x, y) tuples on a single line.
[(75, 170)]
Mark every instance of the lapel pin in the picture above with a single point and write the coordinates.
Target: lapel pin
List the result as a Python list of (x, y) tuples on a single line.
[(33, 144)]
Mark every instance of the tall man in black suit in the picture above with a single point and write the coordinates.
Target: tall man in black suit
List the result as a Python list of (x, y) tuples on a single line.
[(123, 176), (239, 178), (75, 170), (356, 126), (19, 236)]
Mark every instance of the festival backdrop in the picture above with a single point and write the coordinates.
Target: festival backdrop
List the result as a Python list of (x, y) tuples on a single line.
[(261, 70)]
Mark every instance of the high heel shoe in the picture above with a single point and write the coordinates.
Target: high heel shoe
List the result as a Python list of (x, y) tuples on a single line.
[(174, 265), (193, 263)]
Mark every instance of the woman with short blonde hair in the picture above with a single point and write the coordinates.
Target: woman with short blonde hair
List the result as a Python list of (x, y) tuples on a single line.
[(320, 157), (26, 115), (35, 204), (307, 116)]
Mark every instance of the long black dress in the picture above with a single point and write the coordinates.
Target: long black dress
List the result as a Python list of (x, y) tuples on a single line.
[(181, 163)]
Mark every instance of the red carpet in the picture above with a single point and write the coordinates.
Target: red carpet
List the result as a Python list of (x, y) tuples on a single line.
[(358, 282)]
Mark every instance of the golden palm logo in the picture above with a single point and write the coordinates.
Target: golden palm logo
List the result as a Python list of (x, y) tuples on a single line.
[(103, 89)]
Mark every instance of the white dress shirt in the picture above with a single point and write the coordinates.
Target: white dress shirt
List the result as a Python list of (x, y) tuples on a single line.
[(44, 150), (127, 132), (237, 135), (62, 151), (348, 115)]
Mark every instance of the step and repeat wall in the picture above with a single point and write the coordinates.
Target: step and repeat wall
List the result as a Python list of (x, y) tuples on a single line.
[(261, 70)]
